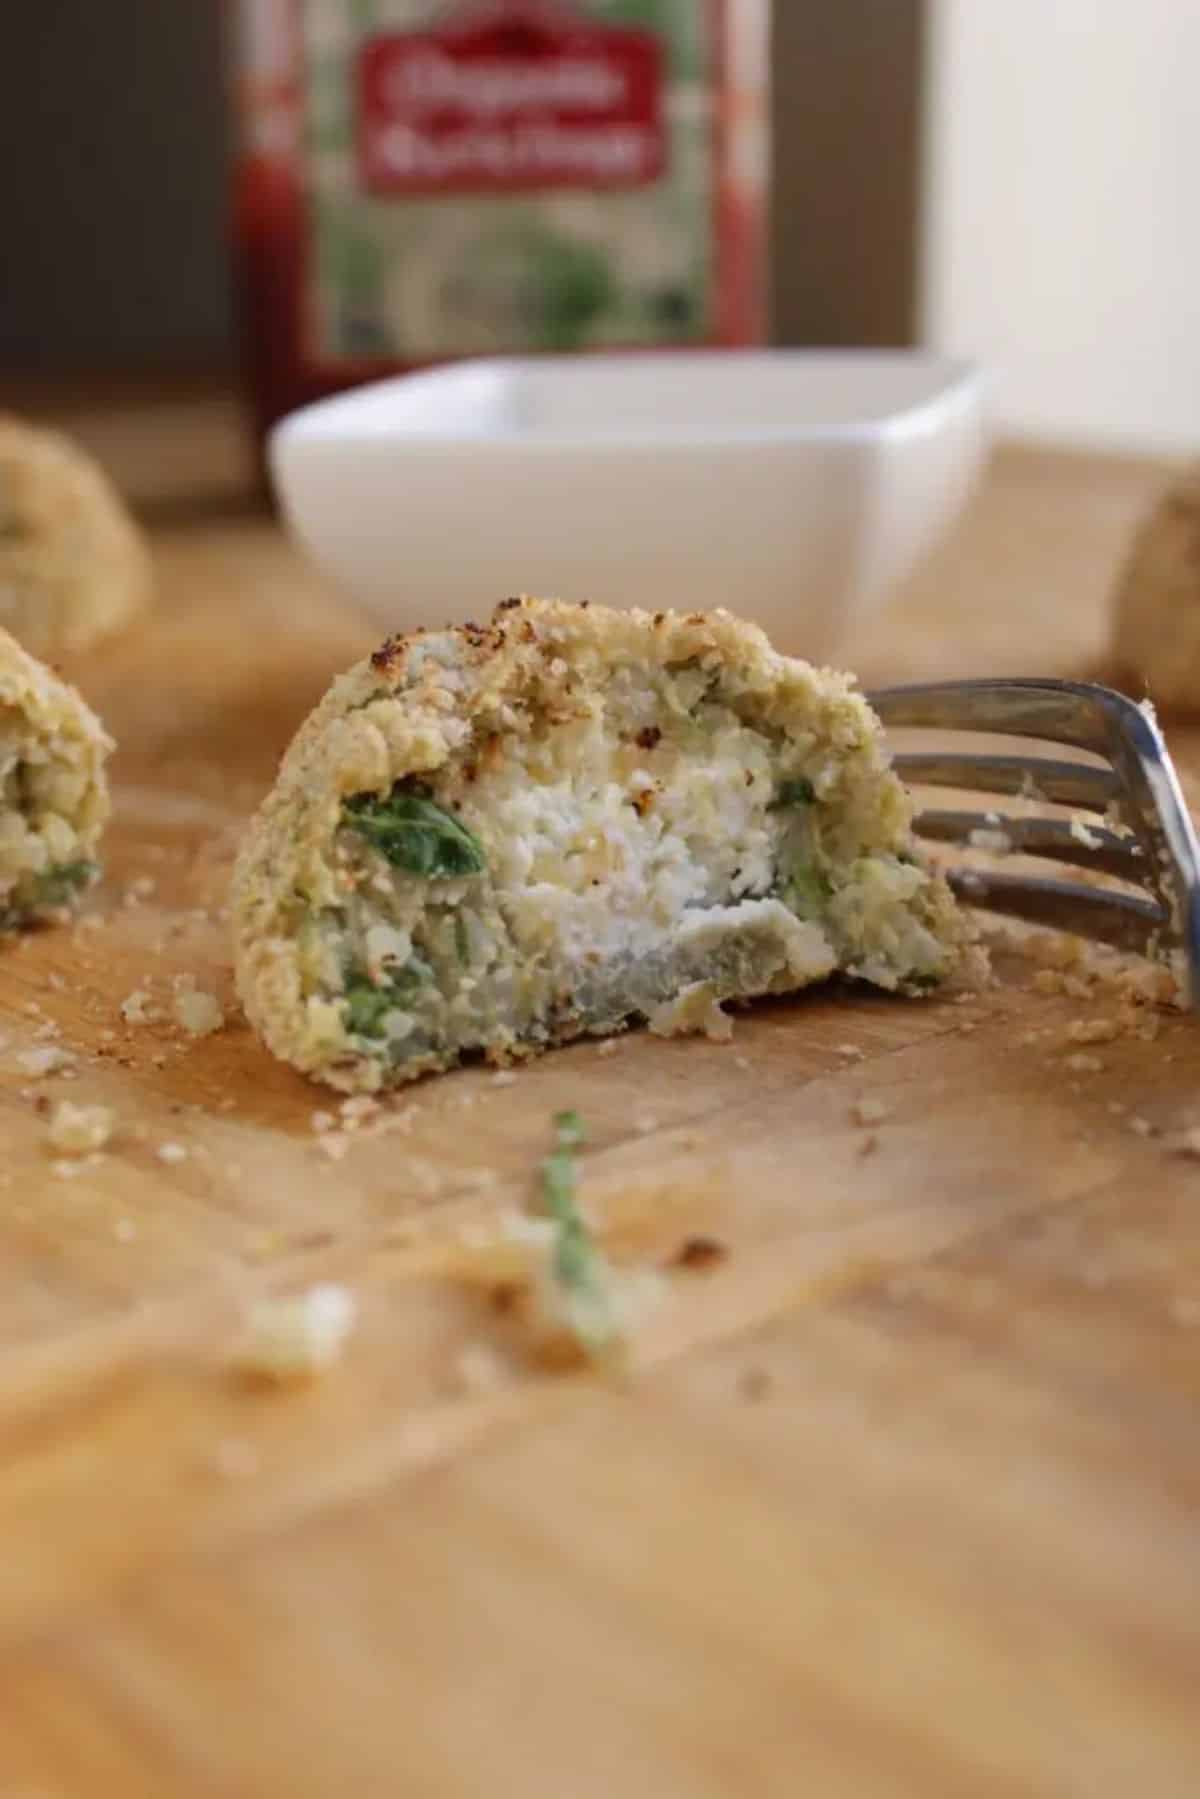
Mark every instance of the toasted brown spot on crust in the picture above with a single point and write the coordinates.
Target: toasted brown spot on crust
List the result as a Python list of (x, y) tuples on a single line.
[(507, 605), (649, 737), (388, 654)]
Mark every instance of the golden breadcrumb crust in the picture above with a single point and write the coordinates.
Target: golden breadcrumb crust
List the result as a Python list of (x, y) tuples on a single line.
[(74, 567)]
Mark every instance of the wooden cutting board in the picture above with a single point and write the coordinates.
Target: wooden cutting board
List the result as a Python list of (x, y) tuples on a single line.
[(900, 1497)]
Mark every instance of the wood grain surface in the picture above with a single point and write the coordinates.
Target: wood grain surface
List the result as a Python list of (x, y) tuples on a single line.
[(902, 1497)]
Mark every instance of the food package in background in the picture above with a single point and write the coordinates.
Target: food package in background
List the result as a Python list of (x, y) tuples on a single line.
[(419, 180)]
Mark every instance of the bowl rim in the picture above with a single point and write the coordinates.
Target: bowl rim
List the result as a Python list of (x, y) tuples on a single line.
[(956, 389)]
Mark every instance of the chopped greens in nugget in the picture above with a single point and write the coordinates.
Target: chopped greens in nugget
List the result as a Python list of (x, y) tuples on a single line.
[(53, 792)]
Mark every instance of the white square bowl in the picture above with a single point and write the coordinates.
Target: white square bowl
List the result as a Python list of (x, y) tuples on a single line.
[(793, 487)]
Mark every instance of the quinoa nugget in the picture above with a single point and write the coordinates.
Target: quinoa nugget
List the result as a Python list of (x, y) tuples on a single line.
[(493, 840), (74, 567), (53, 791)]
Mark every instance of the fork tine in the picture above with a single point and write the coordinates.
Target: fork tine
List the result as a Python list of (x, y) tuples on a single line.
[(1065, 783), (1119, 919), (1059, 711), (1053, 837)]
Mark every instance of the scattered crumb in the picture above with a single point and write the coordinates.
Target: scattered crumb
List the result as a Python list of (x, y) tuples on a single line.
[(47, 1059), (136, 1007), (333, 1144), (699, 1253), (996, 843), (124, 1230), (850, 1051), (609, 1047), (695, 1009), (1082, 832), (140, 888), (296, 1337), (504, 1077), (742, 1062), (644, 1126), (870, 1111), (323, 1121), (975, 968), (1094, 1030), (1084, 1064), (77, 1130), (1187, 1143), (198, 1011), (171, 1153), (1141, 1127), (357, 1110)]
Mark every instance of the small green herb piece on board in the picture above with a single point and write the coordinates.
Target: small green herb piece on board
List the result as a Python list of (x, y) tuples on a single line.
[(581, 1274), (414, 833)]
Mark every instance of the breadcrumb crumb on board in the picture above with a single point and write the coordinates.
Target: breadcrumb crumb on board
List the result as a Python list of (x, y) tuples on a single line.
[(870, 1111), (198, 1012), (78, 1130), (296, 1337)]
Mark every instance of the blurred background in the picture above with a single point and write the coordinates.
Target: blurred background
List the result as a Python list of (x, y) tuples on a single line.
[(1006, 178)]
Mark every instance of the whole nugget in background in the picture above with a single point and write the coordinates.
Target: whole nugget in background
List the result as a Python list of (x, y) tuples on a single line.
[(74, 567), (1156, 641), (53, 792), (496, 839)]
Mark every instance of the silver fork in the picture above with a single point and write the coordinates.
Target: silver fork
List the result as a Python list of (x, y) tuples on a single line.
[(1153, 845)]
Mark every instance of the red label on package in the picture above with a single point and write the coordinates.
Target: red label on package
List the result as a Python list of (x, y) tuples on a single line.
[(504, 106)]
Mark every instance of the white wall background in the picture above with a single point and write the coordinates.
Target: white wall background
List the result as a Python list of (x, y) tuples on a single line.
[(1062, 191)]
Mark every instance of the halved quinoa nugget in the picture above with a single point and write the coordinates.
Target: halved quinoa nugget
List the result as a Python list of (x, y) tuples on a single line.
[(499, 839), (53, 792)]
